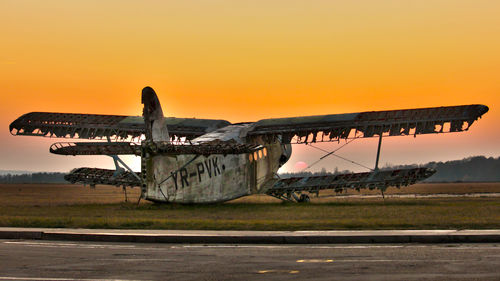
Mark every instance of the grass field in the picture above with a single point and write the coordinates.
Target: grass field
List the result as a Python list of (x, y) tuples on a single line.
[(103, 207)]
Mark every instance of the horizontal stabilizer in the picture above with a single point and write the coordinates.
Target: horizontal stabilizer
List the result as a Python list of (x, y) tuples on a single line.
[(166, 148), (210, 148), (377, 179), (93, 176), (95, 148), (324, 128)]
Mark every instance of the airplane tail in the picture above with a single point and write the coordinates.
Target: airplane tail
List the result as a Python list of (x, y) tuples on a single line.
[(156, 128)]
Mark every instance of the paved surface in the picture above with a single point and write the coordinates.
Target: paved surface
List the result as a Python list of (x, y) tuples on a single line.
[(52, 260), (266, 237)]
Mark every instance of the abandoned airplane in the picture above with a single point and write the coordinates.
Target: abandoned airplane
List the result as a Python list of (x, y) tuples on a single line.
[(189, 160)]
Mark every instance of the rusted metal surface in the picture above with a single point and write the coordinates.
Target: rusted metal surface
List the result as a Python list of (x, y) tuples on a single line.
[(189, 178), (94, 176), (334, 127), (376, 179), (234, 133), (205, 149), (93, 126), (196, 179)]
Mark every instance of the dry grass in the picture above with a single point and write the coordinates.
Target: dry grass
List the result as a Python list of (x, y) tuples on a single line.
[(62, 194), (67, 194), (75, 206)]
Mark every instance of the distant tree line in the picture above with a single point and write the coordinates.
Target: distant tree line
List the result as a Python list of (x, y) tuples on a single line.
[(477, 168), (34, 178), (323, 172), (471, 169)]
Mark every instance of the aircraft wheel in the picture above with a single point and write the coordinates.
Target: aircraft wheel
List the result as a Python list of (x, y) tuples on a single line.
[(304, 198)]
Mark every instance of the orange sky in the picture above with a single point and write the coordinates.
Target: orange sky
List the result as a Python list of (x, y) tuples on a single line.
[(248, 60)]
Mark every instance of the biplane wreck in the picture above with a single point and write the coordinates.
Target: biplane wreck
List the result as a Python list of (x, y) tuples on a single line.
[(189, 160)]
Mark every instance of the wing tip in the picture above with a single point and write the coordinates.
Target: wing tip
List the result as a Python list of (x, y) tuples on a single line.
[(15, 126), (483, 109)]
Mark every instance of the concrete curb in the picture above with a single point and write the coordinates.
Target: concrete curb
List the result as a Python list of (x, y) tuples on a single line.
[(256, 237)]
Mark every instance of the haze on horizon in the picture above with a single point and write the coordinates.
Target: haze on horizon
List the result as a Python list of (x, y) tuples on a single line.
[(250, 60)]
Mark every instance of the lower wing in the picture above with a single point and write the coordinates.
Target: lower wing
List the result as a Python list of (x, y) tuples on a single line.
[(93, 176), (285, 188)]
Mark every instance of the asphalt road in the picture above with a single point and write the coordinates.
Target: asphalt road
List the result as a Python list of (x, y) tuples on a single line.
[(50, 260)]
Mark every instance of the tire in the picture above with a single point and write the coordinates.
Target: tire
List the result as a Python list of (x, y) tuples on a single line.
[(304, 198)]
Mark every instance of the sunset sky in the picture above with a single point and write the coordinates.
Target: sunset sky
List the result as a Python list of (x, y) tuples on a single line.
[(250, 60)]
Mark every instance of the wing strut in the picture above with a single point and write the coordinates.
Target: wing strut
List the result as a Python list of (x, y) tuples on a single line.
[(378, 153), (332, 153), (119, 170), (291, 188), (376, 162)]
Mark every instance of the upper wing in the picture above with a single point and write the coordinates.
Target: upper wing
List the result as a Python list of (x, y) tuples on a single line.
[(367, 124), (93, 126)]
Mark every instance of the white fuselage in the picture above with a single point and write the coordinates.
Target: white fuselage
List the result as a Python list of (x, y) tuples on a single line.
[(192, 178)]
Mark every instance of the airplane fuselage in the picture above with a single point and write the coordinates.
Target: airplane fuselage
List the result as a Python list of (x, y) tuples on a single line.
[(190, 178)]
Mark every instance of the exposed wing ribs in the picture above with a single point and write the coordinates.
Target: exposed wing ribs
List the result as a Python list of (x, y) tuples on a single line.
[(93, 126), (377, 179), (85, 126), (367, 124)]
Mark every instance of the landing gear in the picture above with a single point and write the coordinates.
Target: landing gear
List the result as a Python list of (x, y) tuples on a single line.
[(125, 192), (292, 196), (304, 198)]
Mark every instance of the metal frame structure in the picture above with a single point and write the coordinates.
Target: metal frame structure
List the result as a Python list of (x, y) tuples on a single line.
[(171, 146), (287, 189), (368, 124)]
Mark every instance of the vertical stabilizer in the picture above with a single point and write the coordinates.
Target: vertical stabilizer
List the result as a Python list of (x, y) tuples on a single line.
[(156, 128)]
